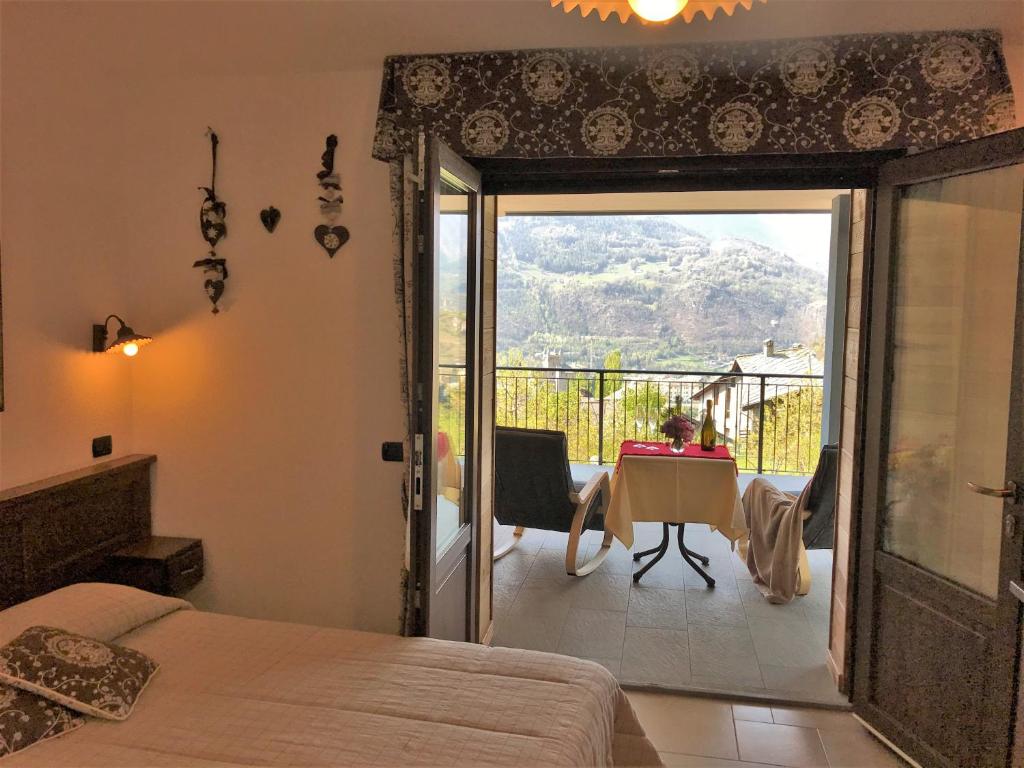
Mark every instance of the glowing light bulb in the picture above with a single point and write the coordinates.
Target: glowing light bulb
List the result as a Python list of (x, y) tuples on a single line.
[(131, 349), (657, 10)]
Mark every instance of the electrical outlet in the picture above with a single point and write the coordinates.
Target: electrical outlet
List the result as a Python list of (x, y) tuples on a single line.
[(392, 452), (102, 446)]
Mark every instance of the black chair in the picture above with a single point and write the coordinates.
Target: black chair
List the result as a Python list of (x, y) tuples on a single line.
[(819, 526), (533, 488)]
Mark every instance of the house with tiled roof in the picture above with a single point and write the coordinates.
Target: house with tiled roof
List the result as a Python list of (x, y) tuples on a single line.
[(757, 378)]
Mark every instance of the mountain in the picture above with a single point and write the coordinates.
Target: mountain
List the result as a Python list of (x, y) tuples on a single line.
[(666, 295)]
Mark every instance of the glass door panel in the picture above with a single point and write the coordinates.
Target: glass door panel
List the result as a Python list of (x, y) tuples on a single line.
[(953, 335), (451, 311)]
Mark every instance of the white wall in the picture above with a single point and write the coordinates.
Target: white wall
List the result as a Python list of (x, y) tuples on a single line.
[(267, 419), (62, 266)]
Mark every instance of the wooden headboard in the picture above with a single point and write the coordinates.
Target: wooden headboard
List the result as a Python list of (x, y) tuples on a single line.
[(59, 531)]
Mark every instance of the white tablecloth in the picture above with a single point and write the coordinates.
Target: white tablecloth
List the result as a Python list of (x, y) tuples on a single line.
[(667, 489)]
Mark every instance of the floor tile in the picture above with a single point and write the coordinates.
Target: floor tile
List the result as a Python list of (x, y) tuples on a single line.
[(756, 606), (714, 608), (530, 541), (593, 634), (739, 568), (513, 567), (513, 630), (687, 725), (654, 607), (558, 541), (814, 683), (786, 745), (548, 564), (788, 642), (655, 656), (719, 569), (722, 656), (602, 591), (667, 572), (817, 718), (504, 594), (673, 760), (646, 535), (735, 641), (618, 560), (856, 749), (752, 712)]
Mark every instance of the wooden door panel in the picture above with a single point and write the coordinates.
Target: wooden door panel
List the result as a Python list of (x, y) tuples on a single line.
[(936, 636), (917, 648)]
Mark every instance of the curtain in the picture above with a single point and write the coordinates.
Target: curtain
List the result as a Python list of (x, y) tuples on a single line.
[(832, 94)]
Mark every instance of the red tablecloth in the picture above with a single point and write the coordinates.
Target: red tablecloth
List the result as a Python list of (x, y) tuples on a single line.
[(692, 451)]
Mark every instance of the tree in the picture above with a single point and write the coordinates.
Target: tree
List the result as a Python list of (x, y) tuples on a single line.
[(792, 433), (612, 362)]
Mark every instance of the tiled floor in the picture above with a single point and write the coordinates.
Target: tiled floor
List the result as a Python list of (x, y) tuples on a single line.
[(722, 734), (670, 630)]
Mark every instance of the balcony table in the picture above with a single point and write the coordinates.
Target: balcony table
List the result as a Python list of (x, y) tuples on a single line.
[(653, 484)]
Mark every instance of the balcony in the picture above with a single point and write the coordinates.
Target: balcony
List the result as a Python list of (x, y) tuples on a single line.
[(770, 422)]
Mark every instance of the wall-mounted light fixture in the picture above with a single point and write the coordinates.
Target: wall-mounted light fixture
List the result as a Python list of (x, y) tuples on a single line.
[(127, 341)]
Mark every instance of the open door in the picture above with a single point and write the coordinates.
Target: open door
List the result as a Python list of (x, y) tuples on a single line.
[(938, 627), (446, 356)]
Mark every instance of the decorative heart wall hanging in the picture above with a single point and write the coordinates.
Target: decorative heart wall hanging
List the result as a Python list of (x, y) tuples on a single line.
[(270, 216), (329, 236), (212, 215)]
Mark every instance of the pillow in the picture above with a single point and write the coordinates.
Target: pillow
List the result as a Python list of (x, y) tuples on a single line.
[(102, 611), (83, 674), (27, 719)]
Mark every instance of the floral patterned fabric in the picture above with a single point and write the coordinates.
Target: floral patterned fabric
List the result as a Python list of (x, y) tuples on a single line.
[(858, 92), (27, 719), (86, 675)]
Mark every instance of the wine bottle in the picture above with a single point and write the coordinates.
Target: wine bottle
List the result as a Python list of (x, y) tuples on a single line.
[(708, 433)]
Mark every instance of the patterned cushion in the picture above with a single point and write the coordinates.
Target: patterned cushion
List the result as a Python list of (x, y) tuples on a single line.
[(27, 719), (86, 675)]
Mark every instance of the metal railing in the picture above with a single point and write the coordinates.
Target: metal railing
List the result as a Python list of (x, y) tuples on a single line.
[(770, 422)]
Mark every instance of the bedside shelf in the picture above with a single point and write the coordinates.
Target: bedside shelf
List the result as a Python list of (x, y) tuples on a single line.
[(163, 564)]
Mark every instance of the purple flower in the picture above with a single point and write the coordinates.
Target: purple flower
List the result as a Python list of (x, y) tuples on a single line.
[(678, 428)]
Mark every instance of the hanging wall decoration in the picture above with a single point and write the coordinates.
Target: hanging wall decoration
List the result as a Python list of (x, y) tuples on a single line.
[(330, 236), (212, 214), (270, 216)]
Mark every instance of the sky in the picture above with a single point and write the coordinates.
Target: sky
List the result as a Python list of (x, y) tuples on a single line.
[(802, 236)]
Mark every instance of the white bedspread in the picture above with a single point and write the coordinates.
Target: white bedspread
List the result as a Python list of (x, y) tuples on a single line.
[(236, 691)]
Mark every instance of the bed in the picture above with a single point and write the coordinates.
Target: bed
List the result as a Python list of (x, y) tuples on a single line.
[(236, 691)]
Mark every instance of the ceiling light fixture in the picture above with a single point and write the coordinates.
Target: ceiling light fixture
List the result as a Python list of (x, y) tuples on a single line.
[(653, 11), (127, 341), (657, 10)]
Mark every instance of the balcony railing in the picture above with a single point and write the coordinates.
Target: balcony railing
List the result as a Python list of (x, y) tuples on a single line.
[(770, 422)]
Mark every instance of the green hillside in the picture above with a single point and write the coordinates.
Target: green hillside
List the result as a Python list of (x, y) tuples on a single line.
[(667, 296)]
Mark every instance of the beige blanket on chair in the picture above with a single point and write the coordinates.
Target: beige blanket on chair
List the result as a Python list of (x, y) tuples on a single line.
[(776, 523)]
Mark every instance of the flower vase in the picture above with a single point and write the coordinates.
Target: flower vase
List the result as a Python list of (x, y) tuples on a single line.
[(677, 446)]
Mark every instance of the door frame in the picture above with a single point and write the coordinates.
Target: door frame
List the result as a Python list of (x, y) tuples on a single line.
[(425, 565), (992, 152), (852, 170)]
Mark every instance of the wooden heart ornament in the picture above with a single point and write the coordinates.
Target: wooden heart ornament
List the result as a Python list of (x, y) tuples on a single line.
[(270, 216), (214, 290), (331, 238)]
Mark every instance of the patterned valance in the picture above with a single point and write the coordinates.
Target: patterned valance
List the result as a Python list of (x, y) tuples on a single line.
[(835, 94)]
